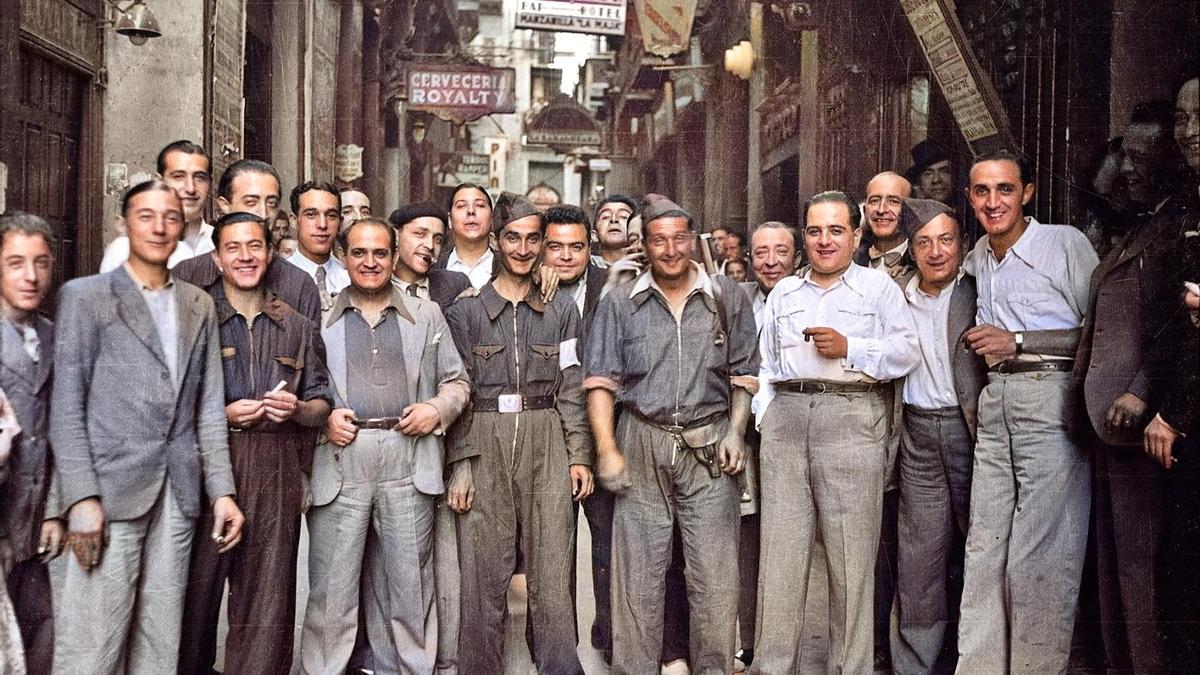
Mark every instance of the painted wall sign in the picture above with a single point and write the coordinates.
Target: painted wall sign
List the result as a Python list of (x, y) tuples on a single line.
[(598, 17)]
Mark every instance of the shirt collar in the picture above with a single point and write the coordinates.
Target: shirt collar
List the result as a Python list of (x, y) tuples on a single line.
[(300, 260), (646, 282), (142, 285), (494, 303), (911, 290), (1025, 247), (852, 278), (453, 259), (273, 307), (344, 301)]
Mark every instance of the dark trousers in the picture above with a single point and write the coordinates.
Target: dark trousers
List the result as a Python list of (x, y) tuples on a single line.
[(748, 578), (261, 569), (1179, 591), (598, 509), (29, 589), (885, 572), (1127, 516)]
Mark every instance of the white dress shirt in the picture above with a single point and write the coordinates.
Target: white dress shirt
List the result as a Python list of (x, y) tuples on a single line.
[(1041, 284), (878, 259), (865, 306), (336, 276), (480, 273), (117, 251), (931, 384), (759, 304)]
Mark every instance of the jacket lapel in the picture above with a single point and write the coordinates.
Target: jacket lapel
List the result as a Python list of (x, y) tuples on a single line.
[(412, 337), (45, 331), (13, 354), (962, 310), (187, 310), (131, 307), (334, 336)]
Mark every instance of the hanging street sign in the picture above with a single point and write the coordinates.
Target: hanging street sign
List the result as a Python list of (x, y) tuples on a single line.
[(461, 92), (597, 17)]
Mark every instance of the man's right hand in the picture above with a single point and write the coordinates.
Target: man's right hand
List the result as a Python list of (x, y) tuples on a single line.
[(339, 429), (245, 413), (460, 493), (610, 469), (626, 268), (85, 535)]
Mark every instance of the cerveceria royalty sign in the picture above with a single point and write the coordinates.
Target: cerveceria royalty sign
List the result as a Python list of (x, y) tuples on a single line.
[(461, 92)]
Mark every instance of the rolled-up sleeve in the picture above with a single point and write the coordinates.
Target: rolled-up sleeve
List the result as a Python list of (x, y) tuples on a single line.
[(892, 352), (604, 363)]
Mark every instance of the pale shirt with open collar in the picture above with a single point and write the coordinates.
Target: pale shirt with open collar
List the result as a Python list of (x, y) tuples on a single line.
[(161, 304), (336, 276), (864, 305), (1041, 284), (931, 384), (480, 273)]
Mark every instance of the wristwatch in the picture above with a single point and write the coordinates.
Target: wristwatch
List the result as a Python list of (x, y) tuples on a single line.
[(1020, 339)]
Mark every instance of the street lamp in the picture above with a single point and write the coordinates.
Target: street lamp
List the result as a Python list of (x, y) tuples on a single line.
[(136, 22)]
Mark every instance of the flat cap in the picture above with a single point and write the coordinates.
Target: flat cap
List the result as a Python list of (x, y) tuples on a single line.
[(410, 212), (927, 153), (657, 206), (509, 207), (916, 214)]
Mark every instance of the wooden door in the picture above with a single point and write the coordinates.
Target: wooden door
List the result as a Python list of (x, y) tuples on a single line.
[(44, 130)]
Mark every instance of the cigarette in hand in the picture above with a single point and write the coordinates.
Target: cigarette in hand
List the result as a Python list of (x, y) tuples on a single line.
[(279, 387)]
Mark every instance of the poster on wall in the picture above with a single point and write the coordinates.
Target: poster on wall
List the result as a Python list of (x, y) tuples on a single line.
[(596, 17)]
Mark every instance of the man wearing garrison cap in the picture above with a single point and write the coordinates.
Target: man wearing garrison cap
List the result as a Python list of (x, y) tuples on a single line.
[(676, 347), (938, 441), (520, 452)]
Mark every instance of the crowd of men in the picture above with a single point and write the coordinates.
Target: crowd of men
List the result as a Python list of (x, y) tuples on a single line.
[(994, 447)]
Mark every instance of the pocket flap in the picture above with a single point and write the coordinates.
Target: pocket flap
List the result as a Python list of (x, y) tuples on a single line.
[(228, 352), (294, 364), (487, 351), (545, 351)]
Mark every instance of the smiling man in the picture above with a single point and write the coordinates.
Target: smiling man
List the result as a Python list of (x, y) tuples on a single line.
[(888, 250), (521, 453), (31, 525), (134, 344), (187, 168), (398, 385), (275, 386), (1028, 534), (831, 341), (316, 208), (421, 234), (470, 210), (611, 228)]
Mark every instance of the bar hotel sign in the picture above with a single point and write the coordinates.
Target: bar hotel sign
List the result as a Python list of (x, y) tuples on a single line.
[(598, 17), (460, 92)]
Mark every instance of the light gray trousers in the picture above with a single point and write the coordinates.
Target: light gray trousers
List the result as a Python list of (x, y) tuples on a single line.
[(935, 501), (671, 486), (823, 462), (1030, 500), (377, 493), (125, 616)]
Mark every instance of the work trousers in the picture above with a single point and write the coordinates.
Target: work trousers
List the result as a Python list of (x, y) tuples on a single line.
[(671, 487), (522, 498), (124, 616), (1129, 488), (935, 507), (1030, 500), (824, 461), (261, 569), (376, 599), (29, 590), (377, 494)]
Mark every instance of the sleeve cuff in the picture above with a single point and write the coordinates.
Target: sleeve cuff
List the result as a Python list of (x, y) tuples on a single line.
[(601, 382)]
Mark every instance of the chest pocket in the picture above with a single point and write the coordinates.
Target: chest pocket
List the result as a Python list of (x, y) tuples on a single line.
[(789, 328), (286, 368), (490, 366), (857, 322), (543, 363)]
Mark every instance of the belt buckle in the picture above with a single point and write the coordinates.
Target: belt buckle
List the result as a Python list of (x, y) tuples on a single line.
[(510, 403), (1004, 368), (823, 389)]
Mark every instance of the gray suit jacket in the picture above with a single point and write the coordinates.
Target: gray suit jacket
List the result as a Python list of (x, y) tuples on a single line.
[(441, 381), (28, 498), (121, 426), (968, 368)]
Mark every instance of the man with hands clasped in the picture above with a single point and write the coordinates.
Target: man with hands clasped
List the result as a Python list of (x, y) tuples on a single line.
[(831, 341), (397, 386)]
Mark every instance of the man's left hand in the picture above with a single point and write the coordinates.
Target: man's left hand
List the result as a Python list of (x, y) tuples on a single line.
[(581, 481), (1159, 439), (732, 454), (52, 539), (227, 523), (418, 419), (988, 340), (280, 405), (547, 280), (1124, 413), (828, 342)]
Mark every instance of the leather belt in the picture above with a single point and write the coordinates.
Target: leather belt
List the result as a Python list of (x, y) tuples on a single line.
[(516, 403), (822, 387), (385, 423), (1012, 367), (701, 438)]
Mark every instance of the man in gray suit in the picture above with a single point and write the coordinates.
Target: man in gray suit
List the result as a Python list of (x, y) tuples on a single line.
[(31, 528), (138, 432), (398, 385), (938, 440)]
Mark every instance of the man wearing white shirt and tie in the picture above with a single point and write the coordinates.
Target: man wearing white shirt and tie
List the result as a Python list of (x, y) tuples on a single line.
[(830, 342), (317, 209)]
